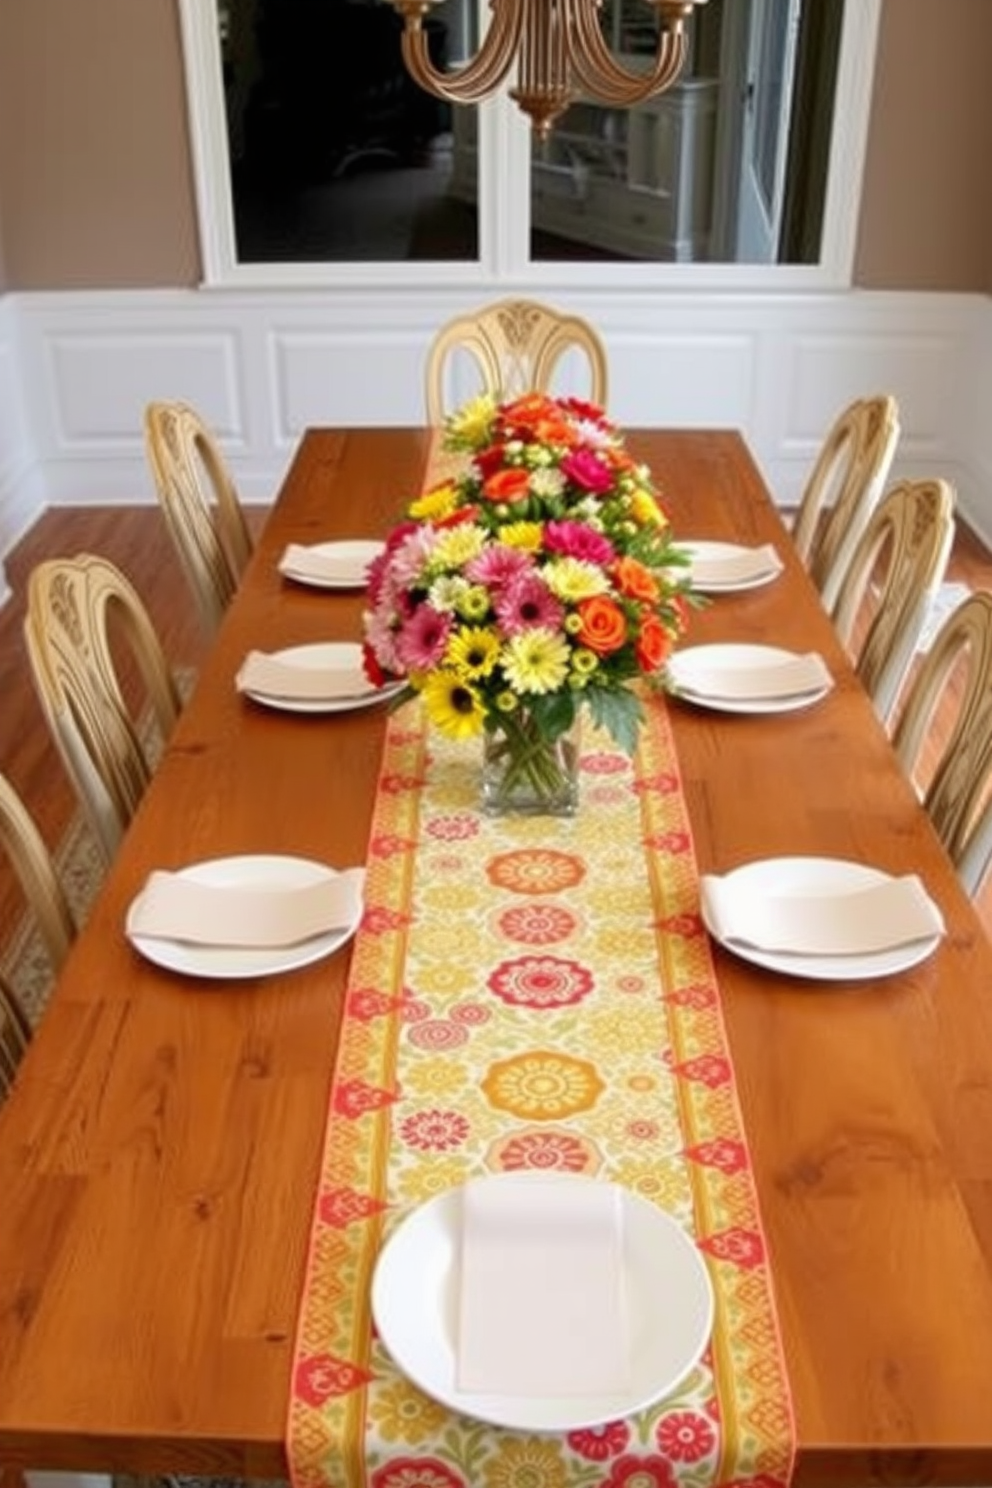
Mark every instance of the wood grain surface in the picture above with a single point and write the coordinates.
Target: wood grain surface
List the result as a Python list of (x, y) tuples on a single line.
[(159, 1153)]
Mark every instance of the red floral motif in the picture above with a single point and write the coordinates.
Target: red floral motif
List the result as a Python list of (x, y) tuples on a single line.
[(395, 785), (540, 982), (470, 1013), (640, 1472), (597, 1443), (547, 1151), (669, 842), (685, 1436), (724, 1153), (321, 1376), (606, 795), (377, 919), (604, 764), (414, 1011), (686, 925), (538, 870), (537, 924), (434, 1131), (665, 783), (341, 1207), (741, 1247), (415, 1472), (353, 1098), (365, 1003), (387, 845), (698, 996), (642, 1131), (711, 1070), (438, 1033), (452, 828)]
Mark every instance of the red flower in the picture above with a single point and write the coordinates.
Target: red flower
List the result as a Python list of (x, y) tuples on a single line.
[(640, 1472), (371, 667), (507, 485), (653, 645), (600, 1442), (416, 1472), (584, 468), (685, 1437)]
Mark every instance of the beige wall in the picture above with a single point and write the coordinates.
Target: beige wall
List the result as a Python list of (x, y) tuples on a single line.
[(95, 178), (926, 217), (96, 185)]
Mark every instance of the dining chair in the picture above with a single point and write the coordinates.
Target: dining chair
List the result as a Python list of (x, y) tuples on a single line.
[(886, 590), (85, 626), (201, 505), (32, 864), (955, 675), (843, 489), (15, 1036), (516, 347)]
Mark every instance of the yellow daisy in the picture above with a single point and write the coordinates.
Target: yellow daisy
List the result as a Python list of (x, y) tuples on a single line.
[(536, 661), (572, 579), (473, 651), (453, 705), (525, 535), (457, 546), (472, 423), (434, 504)]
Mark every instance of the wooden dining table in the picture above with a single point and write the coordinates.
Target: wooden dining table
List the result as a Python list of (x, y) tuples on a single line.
[(159, 1153)]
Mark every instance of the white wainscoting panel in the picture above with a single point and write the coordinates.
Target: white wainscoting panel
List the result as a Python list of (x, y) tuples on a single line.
[(262, 365), (21, 501)]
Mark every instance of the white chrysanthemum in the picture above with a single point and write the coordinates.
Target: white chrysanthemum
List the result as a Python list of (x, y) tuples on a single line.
[(447, 593), (547, 483)]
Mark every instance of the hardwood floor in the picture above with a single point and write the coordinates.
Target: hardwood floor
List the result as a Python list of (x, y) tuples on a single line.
[(136, 540)]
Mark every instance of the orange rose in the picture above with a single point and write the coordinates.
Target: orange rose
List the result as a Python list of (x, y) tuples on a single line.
[(507, 485), (604, 628), (653, 645), (635, 581)]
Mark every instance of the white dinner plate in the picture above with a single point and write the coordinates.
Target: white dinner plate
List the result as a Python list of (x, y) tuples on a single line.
[(236, 961), (356, 553), (684, 667), (669, 1301), (331, 654), (828, 876), (715, 551)]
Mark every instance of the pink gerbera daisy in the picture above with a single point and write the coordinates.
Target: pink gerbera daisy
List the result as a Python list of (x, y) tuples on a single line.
[(577, 540), (498, 566), (423, 638), (527, 603)]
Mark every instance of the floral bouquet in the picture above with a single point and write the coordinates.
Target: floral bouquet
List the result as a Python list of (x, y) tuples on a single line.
[(541, 580)]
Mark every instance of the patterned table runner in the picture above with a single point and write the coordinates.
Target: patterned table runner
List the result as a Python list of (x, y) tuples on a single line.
[(533, 994)]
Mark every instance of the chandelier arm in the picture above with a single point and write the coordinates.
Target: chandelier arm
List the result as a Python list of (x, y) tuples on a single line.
[(477, 78), (597, 69)]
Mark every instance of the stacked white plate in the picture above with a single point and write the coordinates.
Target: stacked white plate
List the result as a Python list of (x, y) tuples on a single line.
[(322, 677), (823, 918), (725, 568), (742, 678), (194, 930), (329, 565)]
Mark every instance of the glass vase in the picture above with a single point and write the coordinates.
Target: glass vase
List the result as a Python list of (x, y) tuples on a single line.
[(524, 773)]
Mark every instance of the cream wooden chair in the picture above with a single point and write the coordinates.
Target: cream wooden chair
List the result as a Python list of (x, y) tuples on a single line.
[(79, 613), (31, 861), (202, 510), (882, 602), (957, 789), (15, 1036), (516, 347), (843, 489)]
